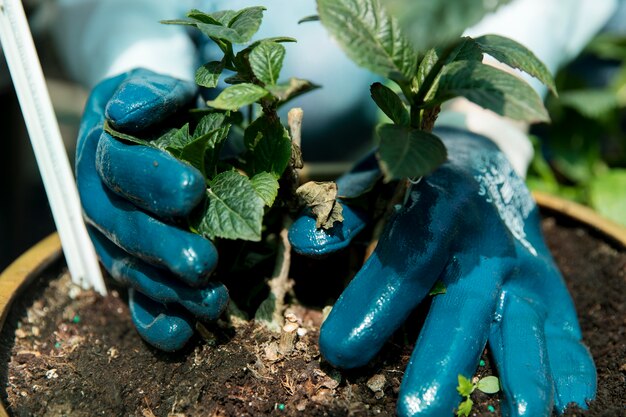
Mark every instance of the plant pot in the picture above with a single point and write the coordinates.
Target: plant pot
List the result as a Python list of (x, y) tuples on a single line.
[(45, 259)]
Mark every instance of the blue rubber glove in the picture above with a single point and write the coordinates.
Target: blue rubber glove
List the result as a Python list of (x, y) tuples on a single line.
[(473, 225), (130, 192)]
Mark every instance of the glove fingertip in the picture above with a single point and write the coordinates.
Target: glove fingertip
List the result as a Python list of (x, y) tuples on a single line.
[(150, 178), (309, 240), (196, 260), (146, 98), (215, 299), (163, 327)]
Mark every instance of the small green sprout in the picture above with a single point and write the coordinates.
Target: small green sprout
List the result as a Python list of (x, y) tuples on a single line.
[(488, 385)]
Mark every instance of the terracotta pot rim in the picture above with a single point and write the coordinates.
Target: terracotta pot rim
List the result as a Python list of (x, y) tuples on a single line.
[(29, 265), (582, 214)]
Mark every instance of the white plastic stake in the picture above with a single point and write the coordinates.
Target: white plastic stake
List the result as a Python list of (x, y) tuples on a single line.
[(50, 153)]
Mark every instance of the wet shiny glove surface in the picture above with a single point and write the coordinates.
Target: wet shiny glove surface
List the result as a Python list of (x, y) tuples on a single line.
[(130, 195), (473, 225)]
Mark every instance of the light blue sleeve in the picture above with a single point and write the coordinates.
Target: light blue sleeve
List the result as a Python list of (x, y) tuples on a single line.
[(97, 39)]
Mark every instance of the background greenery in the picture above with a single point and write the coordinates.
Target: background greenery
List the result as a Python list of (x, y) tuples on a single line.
[(581, 155)]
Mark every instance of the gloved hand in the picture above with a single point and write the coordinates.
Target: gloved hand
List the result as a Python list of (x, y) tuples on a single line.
[(130, 192), (473, 225)]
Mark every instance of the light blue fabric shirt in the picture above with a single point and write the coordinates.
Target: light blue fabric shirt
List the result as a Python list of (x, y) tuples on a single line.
[(98, 39)]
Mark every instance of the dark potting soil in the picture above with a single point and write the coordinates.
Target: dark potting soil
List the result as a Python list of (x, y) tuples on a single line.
[(80, 356)]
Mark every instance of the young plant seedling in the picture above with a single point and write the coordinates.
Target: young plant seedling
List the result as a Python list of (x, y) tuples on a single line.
[(426, 78), (241, 189), (488, 385)]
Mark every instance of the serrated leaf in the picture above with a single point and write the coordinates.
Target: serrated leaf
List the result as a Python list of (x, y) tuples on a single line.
[(370, 36), (266, 186), (266, 61), (604, 198), (202, 17), (208, 75), (431, 57), (203, 151), (236, 96), (312, 18), (224, 17), (269, 146), (406, 152), (321, 198), (430, 23), (234, 209), (220, 32), (466, 50), (174, 140), (246, 22), (119, 135), (517, 56), (208, 123), (293, 88), (492, 89), (465, 387), (465, 408), (489, 384), (389, 102), (593, 104)]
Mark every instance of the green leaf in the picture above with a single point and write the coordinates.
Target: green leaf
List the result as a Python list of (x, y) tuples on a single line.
[(465, 50), (209, 74), (203, 151), (236, 96), (208, 123), (277, 39), (119, 135), (234, 209), (312, 18), (390, 104), (202, 17), (266, 61), (492, 89), (438, 288), (429, 23), (269, 146), (174, 140), (517, 56), (266, 186), (229, 25), (465, 387), (426, 65), (247, 22), (593, 104), (607, 197), (465, 408), (407, 152), (489, 384), (220, 32), (295, 87), (370, 36), (184, 22), (223, 17)]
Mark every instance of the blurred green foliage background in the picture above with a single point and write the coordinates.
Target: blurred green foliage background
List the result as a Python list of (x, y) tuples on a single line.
[(581, 155)]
